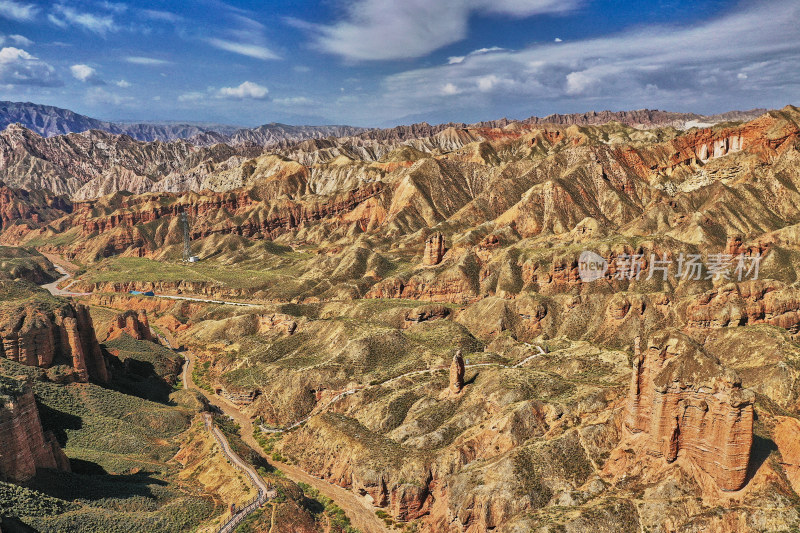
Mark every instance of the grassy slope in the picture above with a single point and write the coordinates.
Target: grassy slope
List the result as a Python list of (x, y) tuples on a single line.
[(120, 448)]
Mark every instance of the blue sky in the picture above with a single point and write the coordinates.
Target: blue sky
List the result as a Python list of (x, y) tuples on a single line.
[(382, 62)]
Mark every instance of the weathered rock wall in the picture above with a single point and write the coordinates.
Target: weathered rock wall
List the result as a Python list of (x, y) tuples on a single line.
[(434, 249), (134, 323), (24, 446), (688, 404), (36, 336)]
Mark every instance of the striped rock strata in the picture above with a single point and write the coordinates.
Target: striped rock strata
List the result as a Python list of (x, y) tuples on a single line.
[(24, 446), (690, 405), (39, 337)]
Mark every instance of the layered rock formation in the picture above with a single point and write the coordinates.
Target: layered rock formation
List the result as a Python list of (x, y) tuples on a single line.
[(434, 249), (689, 405), (643, 118), (36, 335), (740, 304), (30, 206), (116, 221), (133, 323), (24, 446)]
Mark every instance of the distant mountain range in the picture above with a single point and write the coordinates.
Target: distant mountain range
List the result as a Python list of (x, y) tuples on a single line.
[(49, 121)]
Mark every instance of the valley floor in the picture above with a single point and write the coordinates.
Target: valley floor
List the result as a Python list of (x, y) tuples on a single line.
[(359, 510)]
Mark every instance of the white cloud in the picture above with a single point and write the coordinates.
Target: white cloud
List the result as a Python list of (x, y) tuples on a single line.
[(558, 40), (18, 67), (247, 89), (243, 36), (162, 16), (454, 60), (18, 11), (20, 40), (294, 101), (450, 89), (10, 54), (147, 61), (662, 66), (487, 83), (114, 6), (122, 84), (98, 95), (388, 29), (192, 96), (487, 50), (245, 49), (83, 73), (63, 16), (742, 76)]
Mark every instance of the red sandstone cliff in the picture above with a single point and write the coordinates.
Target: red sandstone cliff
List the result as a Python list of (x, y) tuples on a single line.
[(689, 405), (434, 249), (33, 206), (134, 323), (37, 336), (24, 446)]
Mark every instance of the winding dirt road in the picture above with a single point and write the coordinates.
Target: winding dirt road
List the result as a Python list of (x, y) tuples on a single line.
[(358, 509), (348, 392)]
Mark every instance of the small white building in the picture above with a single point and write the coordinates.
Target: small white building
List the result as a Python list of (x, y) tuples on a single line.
[(194, 259)]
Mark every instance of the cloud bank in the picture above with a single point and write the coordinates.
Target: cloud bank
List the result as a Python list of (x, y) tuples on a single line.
[(748, 53), (18, 11), (388, 29), (18, 67)]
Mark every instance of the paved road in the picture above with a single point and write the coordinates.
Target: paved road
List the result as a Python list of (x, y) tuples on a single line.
[(53, 287), (205, 300), (67, 269)]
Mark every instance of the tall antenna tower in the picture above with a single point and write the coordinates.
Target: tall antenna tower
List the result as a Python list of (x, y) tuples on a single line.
[(187, 248)]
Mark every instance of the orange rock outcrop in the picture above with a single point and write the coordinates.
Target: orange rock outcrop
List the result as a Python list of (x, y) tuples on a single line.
[(747, 303), (276, 322), (24, 446), (457, 373), (434, 249), (134, 323), (689, 405), (38, 337), (785, 437)]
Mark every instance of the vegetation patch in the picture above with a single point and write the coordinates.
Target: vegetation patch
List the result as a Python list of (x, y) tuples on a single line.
[(336, 517)]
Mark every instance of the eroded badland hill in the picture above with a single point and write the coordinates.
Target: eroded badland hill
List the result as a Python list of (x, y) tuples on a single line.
[(420, 329)]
